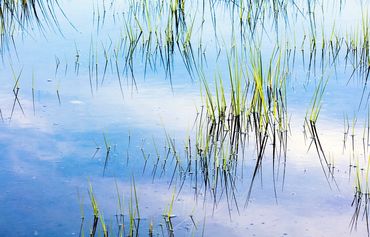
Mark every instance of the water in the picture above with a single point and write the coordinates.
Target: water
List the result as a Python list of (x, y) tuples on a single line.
[(79, 120)]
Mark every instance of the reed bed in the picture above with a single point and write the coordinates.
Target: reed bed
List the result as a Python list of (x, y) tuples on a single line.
[(244, 100)]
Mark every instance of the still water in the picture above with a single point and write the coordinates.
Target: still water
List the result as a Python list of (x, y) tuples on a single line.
[(107, 103)]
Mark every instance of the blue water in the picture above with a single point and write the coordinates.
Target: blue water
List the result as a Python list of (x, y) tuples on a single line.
[(52, 151)]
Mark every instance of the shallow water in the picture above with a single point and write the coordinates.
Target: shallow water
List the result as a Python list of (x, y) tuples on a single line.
[(77, 129)]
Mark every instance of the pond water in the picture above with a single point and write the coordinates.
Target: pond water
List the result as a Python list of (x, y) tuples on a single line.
[(186, 118)]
